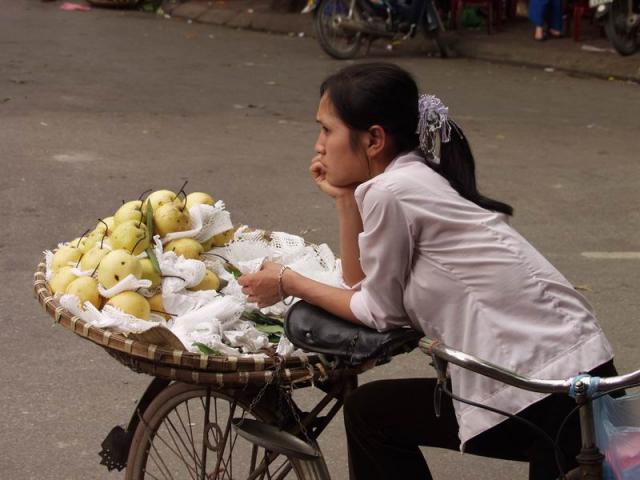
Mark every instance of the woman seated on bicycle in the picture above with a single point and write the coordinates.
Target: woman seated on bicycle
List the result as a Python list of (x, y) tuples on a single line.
[(421, 247)]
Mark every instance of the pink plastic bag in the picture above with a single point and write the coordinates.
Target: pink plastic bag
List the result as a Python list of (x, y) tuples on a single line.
[(74, 7), (617, 428)]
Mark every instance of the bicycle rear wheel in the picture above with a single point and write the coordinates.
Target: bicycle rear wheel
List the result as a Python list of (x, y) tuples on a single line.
[(186, 433)]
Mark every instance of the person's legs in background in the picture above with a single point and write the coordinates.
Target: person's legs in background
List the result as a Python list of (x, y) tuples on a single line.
[(537, 15), (555, 18)]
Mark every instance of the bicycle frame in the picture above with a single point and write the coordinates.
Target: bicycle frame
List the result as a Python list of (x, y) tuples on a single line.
[(590, 458)]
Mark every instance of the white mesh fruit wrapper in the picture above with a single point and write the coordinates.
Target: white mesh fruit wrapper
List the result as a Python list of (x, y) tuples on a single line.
[(48, 259), (72, 303), (186, 301), (287, 246), (81, 273), (250, 266), (247, 338), (221, 309), (206, 221), (286, 349), (178, 272), (109, 318), (244, 251), (244, 233), (206, 322), (130, 282)]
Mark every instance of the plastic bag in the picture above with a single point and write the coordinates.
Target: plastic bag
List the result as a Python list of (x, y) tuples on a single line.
[(617, 427)]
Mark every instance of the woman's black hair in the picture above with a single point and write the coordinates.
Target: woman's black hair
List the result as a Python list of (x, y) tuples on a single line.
[(384, 94)]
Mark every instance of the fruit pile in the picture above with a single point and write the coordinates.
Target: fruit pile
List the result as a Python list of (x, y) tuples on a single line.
[(153, 250), (112, 251), (169, 262)]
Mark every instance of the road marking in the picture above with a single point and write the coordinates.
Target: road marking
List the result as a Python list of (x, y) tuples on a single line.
[(612, 255), (75, 157)]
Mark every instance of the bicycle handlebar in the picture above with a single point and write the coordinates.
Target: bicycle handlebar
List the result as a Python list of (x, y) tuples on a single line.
[(477, 365)]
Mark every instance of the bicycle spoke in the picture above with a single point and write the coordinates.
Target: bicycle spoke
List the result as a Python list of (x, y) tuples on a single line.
[(187, 443), (153, 477), (286, 468), (177, 454), (179, 449), (205, 432), (225, 436), (155, 450), (190, 435)]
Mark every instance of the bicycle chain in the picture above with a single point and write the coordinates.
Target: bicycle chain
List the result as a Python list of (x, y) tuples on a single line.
[(263, 389)]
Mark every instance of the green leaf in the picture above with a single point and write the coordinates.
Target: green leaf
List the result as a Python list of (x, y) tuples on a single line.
[(270, 328), (149, 219), (154, 260), (232, 270), (258, 317), (207, 350)]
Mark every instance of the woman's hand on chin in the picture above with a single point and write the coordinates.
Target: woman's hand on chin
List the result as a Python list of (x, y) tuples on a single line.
[(319, 175)]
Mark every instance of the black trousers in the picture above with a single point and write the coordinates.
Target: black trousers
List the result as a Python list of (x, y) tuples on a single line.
[(387, 420)]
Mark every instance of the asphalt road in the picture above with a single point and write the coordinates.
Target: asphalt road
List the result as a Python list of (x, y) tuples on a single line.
[(97, 107)]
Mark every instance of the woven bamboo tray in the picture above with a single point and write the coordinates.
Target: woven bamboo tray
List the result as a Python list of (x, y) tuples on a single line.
[(181, 365)]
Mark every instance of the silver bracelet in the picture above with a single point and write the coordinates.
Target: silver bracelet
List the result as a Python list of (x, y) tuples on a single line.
[(280, 289)]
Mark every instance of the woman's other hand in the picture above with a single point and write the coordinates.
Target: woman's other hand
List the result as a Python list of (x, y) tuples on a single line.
[(262, 287), (318, 173)]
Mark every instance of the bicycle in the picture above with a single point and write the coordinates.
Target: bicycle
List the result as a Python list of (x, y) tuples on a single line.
[(210, 417), (583, 387)]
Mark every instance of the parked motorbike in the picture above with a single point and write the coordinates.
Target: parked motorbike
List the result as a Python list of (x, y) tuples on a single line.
[(621, 19), (341, 26)]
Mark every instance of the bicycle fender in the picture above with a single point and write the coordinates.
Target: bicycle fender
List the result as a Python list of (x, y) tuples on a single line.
[(115, 446)]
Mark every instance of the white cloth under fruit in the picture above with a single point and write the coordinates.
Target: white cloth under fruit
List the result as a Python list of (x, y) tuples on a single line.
[(206, 222)]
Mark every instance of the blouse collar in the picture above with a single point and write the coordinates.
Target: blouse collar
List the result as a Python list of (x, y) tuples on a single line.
[(398, 162), (403, 159)]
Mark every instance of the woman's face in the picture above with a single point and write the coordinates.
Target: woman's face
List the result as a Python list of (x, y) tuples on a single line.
[(344, 166)]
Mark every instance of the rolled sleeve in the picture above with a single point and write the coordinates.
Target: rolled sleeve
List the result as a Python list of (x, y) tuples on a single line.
[(386, 246), (345, 285)]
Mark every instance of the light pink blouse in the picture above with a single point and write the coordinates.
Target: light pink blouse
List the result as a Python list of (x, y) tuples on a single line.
[(461, 274)]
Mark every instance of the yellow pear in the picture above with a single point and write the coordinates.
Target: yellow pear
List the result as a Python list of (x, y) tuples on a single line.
[(116, 266), (185, 247), (150, 273), (64, 256), (159, 198), (157, 306), (128, 211), (209, 282), (86, 289), (106, 225), (92, 258), (171, 218), (61, 280), (223, 238), (197, 198), (131, 235), (132, 303)]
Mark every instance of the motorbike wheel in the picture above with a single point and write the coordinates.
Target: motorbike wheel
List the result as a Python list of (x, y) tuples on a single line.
[(623, 38), (333, 40)]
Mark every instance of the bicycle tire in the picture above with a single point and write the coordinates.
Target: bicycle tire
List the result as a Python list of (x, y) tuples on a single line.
[(329, 36), (153, 456)]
